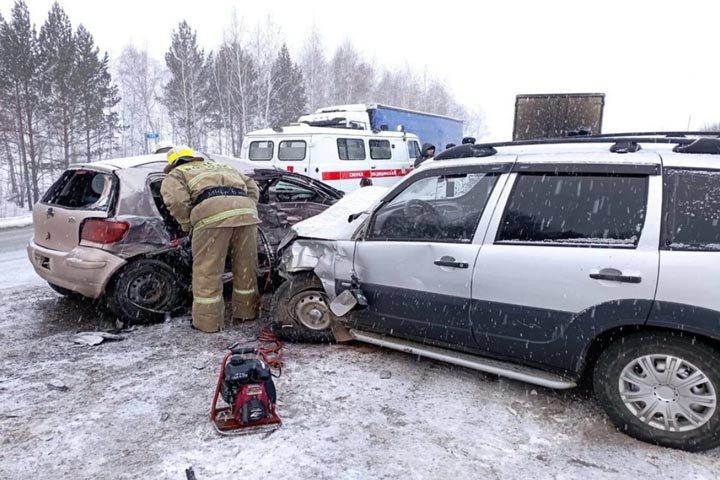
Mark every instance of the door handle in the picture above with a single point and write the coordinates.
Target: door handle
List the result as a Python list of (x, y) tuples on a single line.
[(616, 277), (450, 262), (373, 167)]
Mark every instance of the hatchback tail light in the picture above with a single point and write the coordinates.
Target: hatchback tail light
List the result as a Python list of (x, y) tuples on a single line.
[(99, 230)]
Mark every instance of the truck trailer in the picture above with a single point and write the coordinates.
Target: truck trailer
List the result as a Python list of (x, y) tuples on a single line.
[(558, 115), (439, 130)]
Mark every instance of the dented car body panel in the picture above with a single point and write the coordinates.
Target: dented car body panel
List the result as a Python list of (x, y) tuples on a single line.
[(128, 191)]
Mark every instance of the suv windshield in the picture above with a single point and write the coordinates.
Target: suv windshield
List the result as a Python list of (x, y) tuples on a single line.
[(85, 189)]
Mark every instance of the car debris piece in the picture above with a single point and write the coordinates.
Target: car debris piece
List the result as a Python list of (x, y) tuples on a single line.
[(385, 374), (58, 387), (95, 338)]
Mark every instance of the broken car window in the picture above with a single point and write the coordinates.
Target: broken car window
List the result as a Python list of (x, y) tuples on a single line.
[(85, 189), (438, 208), (569, 209)]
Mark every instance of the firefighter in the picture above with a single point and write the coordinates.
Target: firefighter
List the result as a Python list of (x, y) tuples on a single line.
[(218, 204)]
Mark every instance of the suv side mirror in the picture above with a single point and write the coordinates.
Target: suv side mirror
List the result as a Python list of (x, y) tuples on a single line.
[(355, 216)]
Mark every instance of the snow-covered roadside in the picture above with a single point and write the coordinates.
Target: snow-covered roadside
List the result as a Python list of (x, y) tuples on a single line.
[(16, 222), (139, 409)]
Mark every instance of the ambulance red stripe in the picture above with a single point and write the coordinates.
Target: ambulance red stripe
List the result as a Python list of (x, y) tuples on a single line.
[(358, 174)]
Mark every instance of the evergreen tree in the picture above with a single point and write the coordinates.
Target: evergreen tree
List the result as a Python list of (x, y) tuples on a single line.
[(187, 92), (20, 59), (288, 93), (98, 96), (57, 53)]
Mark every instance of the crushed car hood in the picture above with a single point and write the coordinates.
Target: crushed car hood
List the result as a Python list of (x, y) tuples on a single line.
[(332, 224)]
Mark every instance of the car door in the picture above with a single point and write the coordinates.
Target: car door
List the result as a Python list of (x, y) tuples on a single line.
[(572, 251), (416, 259)]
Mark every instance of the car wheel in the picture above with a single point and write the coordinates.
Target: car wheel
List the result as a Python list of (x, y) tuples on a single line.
[(301, 311), (65, 292), (662, 388), (145, 290)]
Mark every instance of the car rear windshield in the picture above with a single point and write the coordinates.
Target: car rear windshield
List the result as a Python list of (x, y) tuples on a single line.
[(691, 216), (82, 189)]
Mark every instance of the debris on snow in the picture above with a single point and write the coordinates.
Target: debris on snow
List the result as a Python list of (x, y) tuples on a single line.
[(385, 374), (92, 339), (57, 386)]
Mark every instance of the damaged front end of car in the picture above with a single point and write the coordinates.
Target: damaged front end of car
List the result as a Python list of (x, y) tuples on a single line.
[(315, 259)]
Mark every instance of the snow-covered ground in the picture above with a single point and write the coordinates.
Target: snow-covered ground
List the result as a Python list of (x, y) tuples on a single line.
[(139, 409), (15, 222)]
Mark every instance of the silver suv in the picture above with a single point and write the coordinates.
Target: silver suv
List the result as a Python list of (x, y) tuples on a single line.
[(547, 261)]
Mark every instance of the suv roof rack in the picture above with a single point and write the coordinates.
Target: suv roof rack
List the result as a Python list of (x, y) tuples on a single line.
[(704, 142)]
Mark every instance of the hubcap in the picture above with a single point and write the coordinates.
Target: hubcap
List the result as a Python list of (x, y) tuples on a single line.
[(312, 311), (667, 393)]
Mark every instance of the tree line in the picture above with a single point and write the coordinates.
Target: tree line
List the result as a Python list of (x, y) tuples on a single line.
[(63, 101)]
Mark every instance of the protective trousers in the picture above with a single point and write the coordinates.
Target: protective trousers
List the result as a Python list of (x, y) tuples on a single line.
[(210, 248)]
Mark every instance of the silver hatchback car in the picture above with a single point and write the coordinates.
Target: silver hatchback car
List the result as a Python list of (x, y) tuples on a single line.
[(102, 231)]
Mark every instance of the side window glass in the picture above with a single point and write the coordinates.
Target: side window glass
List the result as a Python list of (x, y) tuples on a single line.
[(560, 209), (691, 213), (351, 148), (438, 208), (261, 150), (413, 149), (380, 150), (292, 150)]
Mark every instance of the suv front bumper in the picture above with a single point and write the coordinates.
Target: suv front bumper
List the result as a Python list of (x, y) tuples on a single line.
[(84, 270)]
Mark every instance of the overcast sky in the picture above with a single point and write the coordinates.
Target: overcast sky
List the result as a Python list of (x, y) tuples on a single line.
[(657, 62)]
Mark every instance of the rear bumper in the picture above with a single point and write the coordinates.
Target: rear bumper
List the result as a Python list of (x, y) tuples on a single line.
[(84, 270)]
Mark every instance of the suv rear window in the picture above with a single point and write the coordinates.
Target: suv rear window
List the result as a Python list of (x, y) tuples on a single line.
[(86, 189), (567, 209), (691, 210), (262, 150)]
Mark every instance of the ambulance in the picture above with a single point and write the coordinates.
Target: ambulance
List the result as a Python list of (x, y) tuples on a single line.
[(343, 144)]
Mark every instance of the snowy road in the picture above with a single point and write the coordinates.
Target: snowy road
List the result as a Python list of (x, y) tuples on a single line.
[(17, 272), (139, 409)]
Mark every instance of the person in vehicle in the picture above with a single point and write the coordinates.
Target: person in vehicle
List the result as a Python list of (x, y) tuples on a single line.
[(218, 204), (428, 151)]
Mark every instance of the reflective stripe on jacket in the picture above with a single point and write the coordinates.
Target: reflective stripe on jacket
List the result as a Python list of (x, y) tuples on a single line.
[(184, 184)]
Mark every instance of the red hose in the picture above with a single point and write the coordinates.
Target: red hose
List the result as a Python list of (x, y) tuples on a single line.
[(270, 349)]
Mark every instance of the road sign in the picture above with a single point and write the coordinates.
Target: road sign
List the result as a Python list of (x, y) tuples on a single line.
[(152, 136)]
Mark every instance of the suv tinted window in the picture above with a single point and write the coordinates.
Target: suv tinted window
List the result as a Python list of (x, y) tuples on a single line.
[(438, 208), (261, 150), (380, 150), (351, 149), (602, 210), (691, 213), (292, 150), (85, 189)]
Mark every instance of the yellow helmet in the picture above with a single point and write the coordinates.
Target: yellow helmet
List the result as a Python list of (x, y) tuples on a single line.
[(180, 153)]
